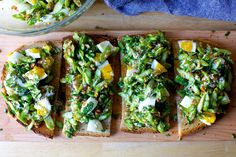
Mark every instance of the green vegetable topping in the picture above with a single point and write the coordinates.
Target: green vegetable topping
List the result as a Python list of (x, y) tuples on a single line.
[(27, 89), (145, 86), (90, 77), (59, 124), (234, 136), (205, 73)]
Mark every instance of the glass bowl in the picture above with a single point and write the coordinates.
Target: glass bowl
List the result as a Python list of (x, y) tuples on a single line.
[(11, 26)]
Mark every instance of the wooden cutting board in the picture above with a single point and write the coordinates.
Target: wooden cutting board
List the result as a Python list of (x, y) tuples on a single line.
[(221, 130)]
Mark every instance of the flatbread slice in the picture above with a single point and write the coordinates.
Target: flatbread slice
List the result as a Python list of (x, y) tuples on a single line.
[(41, 129), (82, 127), (184, 127), (123, 127)]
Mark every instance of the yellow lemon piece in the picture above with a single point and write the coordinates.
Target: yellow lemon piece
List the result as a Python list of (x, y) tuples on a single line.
[(187, 45), (208, 118), (158, 68), (106, 70)]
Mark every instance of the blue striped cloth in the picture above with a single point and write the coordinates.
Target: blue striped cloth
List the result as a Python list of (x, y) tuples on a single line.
[(211, 9)]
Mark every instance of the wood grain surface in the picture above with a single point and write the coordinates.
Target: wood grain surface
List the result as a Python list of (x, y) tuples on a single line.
[(221, 130), (118, 149)]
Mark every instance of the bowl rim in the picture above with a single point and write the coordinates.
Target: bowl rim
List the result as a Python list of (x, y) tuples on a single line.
[(44, 30)]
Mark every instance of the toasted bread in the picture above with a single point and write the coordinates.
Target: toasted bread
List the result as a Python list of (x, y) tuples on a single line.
[(82, 128), (124, 111), (185, 128), (124, 106), (42, 129)]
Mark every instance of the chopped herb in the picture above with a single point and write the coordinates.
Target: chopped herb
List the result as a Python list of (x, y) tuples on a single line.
[(59, 124), (227, 33), (234, 136), (168, 134), (1, 129)]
